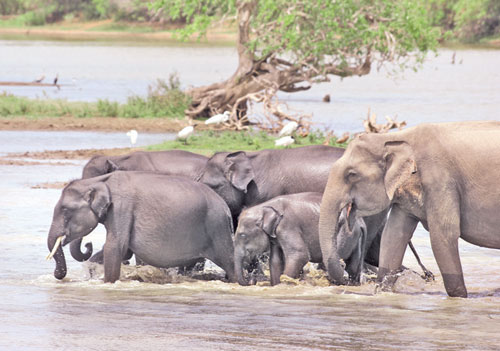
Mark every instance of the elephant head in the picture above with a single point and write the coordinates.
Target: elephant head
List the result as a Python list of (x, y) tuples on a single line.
[(229, 175), (83, 204), (99, 165), (256, 227), (362, 182)]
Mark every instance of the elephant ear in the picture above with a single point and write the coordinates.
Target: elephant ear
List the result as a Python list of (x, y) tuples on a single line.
[(111, 166), (99, 199), (270, 220), (399, 165), (238, 170)]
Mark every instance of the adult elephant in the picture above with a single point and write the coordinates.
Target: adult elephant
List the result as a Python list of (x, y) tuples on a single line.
[(170, 162), (245, 179), (442, 175), (167, 221)]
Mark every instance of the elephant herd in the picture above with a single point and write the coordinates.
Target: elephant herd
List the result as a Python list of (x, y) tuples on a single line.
[(341, 208)]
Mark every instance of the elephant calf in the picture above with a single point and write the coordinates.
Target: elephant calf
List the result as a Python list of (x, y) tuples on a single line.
[(287, 226), (167, 221)]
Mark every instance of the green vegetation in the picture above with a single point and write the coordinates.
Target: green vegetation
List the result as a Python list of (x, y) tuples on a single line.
[(463, 20), (289, 45), (466, 20), (165, 99), (208, 142)]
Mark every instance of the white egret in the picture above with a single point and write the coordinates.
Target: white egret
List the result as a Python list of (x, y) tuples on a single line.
[(185, 132), (218, 119), (132, 134), (288, 129), (284, 141)]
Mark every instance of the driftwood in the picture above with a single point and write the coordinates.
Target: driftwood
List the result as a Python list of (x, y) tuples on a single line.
[(371, 125)]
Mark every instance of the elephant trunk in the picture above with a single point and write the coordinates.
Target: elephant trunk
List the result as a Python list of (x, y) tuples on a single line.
[(75, 249), (239, 258), (54, 233), (331, 207)]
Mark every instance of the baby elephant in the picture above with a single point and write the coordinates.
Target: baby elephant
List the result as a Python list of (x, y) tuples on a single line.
[(167, 221), (287, 226)]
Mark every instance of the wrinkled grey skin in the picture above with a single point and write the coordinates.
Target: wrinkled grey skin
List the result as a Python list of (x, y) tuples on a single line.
[(245, 179), (167, 221), (287, 226), (442, 175), (170, 162)]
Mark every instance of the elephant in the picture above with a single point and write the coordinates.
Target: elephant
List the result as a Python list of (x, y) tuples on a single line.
[(171, 162), (287, 226), (245, 179), (167, 221), (443, 175)]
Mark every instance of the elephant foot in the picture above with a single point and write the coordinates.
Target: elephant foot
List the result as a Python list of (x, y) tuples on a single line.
[(386, 280)]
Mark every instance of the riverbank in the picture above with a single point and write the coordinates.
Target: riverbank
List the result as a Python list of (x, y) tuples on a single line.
[(101, 124)]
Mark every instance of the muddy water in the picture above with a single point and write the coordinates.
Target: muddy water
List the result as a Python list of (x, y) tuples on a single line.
[(37, 312)]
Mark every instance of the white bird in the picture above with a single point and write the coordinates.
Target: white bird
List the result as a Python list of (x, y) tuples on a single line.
[(132, 134), (218, 119), (288, 129), (285, 141), (185, 132)]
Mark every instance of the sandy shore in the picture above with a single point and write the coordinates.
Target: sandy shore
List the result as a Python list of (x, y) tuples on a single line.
[(104, 124)]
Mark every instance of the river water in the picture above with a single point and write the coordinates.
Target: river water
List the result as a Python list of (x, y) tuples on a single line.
[(440, 91), (37, 312)]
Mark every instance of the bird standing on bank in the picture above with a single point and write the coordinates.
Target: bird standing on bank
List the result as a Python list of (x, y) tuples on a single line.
[(285, 141), (132, 134), (185, 132), (288, 129), (218, 119)]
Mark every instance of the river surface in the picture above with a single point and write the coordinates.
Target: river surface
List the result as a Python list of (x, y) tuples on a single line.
[(88, 71), (37, 312)]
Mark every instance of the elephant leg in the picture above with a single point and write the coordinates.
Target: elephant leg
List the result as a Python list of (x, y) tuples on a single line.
[(112, 262), (444, 230), (294, 263), (222, 245), (276, 263), (397, 233)]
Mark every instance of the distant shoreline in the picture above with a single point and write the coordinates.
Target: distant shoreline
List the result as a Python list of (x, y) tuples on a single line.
[(223, 38)]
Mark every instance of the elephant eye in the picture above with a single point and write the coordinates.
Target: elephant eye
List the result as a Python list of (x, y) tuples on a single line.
[(351, 176)]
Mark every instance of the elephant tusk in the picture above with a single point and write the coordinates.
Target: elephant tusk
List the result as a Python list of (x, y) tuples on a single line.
[(56, 246), (349, 209)]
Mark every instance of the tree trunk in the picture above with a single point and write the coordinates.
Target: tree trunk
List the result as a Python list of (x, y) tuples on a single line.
[(254, 75)]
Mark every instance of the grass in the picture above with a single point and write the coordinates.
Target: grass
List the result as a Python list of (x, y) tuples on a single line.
[(209, 142), (165, 99)]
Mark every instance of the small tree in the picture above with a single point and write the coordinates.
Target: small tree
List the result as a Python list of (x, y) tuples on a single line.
[(288, 45)]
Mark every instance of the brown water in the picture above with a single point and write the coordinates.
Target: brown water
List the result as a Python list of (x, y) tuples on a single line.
[(39, 313)]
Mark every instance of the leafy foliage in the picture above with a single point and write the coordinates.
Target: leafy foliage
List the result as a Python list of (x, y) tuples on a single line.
[(319, 33), (469, 20)]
